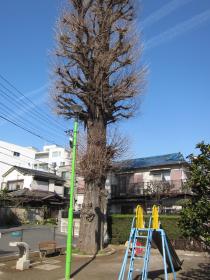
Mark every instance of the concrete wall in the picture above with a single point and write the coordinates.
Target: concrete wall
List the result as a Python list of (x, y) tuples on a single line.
[(14, 216)]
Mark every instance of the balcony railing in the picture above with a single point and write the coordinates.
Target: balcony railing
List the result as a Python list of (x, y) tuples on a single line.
[(150, 188)]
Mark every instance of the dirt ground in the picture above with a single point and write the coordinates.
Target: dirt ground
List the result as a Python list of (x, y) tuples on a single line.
[(195, 266)]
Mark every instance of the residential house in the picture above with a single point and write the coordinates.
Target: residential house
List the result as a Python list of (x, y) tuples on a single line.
[(146, 181), (18, 178), (51, 158), (158, 179)]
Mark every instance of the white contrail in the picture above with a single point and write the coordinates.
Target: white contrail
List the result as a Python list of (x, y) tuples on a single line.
[(37, 90), (163, 11), (179, 29)]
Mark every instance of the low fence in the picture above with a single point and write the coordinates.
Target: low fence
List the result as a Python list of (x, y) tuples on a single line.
[(64, 226), (155, 188), (31, 235)]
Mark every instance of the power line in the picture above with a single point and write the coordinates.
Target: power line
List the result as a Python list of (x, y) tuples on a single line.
[(37, 160), (7, 163), (20, 161), (14, 158), (35, 110), (27, 130), (51, 130), (6, 111)]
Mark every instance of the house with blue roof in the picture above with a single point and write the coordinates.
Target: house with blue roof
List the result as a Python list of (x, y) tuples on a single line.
[(146, 181)]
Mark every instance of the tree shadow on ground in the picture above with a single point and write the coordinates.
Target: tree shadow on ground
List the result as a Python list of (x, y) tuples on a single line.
[(156, 274), (201, 272), (83, 266), (101, 217), (3, 252)]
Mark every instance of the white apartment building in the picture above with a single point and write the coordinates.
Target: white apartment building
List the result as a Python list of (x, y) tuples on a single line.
[(15, 155), (51, 158)]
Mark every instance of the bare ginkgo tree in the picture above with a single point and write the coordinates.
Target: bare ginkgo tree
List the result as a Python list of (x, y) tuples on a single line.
[(96, 68)]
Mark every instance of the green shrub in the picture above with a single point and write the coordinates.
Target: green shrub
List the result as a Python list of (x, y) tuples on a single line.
[(51, 221), (119, 227)]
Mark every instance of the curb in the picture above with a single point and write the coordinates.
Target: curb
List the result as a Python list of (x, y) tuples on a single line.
[(179, 252), (16, 256), (36, 254), (111, 252), (192, 253)]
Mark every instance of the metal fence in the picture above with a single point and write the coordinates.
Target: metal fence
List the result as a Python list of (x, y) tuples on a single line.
[(31, 235), (146, 188)]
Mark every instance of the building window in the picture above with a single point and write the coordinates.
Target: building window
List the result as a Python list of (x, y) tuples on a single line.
[(123, 181), (56, 154), (16, 154), (64, 174), (66, 191), (159, 175), (43, 166), (14, 185)]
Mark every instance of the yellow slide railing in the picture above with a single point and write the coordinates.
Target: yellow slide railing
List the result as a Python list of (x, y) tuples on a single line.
[(139, 217), (155, 217)]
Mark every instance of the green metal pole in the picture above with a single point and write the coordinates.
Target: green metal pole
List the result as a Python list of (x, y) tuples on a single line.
[(71, 206)]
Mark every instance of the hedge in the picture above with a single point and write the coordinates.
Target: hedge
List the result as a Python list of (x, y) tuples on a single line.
[(119, 227)]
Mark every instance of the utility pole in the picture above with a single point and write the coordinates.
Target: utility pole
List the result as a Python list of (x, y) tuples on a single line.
[(71, 205), (77, 110)]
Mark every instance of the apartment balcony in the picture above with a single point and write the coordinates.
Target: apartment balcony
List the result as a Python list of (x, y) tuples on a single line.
[(150, 188)]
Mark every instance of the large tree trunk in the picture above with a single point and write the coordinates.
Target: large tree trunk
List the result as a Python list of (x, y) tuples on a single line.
[(92, 221), (93, 213)]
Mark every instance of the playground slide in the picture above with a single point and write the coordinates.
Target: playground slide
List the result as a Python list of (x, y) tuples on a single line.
[(177, 263)]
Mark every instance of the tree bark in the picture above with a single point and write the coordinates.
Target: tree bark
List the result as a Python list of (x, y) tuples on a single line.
[(93, 213), (91, 221)]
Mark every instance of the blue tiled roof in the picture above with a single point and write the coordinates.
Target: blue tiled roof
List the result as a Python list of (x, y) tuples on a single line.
[(155, 161)]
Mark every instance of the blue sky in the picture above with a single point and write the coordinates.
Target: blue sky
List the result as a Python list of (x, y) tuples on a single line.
[(174, 113)]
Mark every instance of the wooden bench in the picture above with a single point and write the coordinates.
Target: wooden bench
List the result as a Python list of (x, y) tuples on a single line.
[(49, 247)]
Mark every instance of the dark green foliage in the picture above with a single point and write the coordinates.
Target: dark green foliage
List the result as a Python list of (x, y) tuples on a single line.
[(8, 217), (120, 225), (195, 216), (51, 221), (3, 194)]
